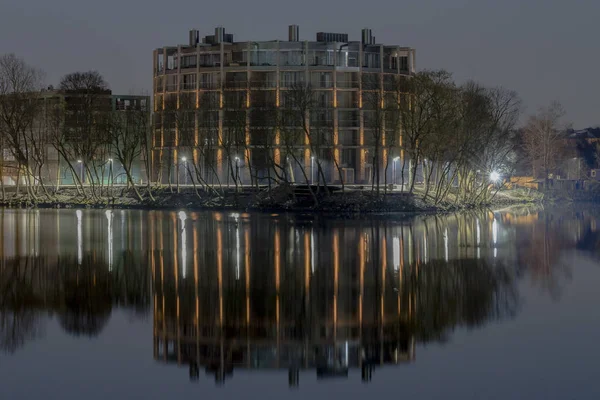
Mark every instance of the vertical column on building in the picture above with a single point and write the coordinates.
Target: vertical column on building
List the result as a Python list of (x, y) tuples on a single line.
[(220, 160), (248, 153), (277, 150), (399, 138), (177, 120), (307, 155), (336, 151), (362, 157), (195, 156), (162, 112), (384, 152)]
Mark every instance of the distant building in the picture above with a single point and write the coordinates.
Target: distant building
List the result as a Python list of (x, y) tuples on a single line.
[(47, 122), (222, 81)]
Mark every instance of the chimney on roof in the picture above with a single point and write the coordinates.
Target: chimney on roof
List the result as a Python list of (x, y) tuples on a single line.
[(194, 37), (294, 33), (219, 34), (367, 37)]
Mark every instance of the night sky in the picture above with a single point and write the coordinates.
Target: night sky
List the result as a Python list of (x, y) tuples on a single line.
[(544, 49)]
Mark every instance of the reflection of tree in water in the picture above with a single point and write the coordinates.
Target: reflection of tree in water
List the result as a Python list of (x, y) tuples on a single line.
[(82, 296), (20, 308), (540, 252), (468, 293), (86, 298)]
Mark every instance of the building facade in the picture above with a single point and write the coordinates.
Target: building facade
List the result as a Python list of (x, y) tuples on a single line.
[(278, 108), (65, 114)]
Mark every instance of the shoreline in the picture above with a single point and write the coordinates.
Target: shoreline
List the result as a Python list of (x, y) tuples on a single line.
[(350, 203)]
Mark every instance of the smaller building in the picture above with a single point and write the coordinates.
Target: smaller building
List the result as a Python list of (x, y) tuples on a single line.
[(62, 113)]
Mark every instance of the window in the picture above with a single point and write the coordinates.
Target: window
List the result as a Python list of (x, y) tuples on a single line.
[(188, 82), (188, 61), (321, 79), (290, 79), (209, 81), (160, 62), (171, 83), (404, 64)]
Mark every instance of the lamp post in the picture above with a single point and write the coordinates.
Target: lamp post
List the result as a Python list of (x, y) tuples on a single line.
[(110, 167), (237, 171), (80, 162), (394, 161), (494, 177), (312, 170), (184, 159)]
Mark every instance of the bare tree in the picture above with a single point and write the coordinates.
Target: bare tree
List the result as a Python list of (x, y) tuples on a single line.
[(87, 112), (418, 114), (542, 137), (127, 131), (19, 106)]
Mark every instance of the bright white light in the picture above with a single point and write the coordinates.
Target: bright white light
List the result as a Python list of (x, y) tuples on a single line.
[(184, 159), (110, 160), (446, 244), (79, 161), (236, 218), (494, 176), (237, 159), (396, 158), (79, 215), (396, 249), (109, 217), (478, 239), (182, 218)]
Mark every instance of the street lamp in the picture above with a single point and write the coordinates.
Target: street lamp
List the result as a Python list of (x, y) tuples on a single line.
[(494, 176), (110, 166), (81, 170), (184, 159), (237, 170), (394, 161)]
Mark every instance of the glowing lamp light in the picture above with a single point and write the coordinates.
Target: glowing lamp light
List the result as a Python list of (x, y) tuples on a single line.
[(184, 159), (494, 176)]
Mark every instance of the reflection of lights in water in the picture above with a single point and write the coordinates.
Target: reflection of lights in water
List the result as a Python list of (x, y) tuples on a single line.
[(109, 217), (424, 247), (237, 245), (495, 236), (37, 233), (478, 238), (79, 215), (346, 355), (396, 249), (312, 250), (182, 218), (446, 244), (122, 229)]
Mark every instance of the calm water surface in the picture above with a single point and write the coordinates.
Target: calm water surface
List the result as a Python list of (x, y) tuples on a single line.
[(154, 305)]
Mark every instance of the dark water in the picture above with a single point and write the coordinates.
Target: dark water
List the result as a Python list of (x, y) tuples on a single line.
[(154, 305)]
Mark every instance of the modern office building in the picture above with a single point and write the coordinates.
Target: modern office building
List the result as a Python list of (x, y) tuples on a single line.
[(225, 104)]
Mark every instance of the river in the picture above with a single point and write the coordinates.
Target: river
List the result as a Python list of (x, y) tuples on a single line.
[(117, 304)]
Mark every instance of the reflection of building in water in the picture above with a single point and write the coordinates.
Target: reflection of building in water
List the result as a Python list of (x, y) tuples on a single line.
[(258, 291), (267, 293), (279, 302)]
